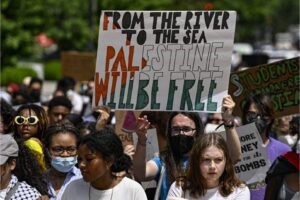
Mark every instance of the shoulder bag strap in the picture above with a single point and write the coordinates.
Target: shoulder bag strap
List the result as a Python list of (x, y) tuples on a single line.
[(159, 184), (12, 191)]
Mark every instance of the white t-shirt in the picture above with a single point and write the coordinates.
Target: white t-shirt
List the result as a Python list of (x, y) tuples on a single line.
[(127, 189), (240, 193)]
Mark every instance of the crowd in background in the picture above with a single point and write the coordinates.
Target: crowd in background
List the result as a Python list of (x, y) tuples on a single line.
[(59, 147)]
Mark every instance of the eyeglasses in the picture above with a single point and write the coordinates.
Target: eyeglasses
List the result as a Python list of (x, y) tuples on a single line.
[(32, 120), (61, 150), (185, 129)]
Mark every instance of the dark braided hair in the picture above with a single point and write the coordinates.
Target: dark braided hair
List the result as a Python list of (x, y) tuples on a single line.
[(27, 169), (110, 146)]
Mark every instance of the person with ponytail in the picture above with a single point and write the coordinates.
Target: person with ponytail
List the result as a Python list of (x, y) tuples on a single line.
[(100, 157)]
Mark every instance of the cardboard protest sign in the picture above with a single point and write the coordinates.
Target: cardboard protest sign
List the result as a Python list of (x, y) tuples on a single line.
[(164, 60), (125, 124), (254, 163), (280, 80), (80, 66)]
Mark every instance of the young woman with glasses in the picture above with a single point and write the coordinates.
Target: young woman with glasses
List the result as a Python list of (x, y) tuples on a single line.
[(182, 129), (30, 123), (61, 144)]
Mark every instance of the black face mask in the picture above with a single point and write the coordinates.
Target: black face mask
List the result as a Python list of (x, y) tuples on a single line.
[(181, 144), (261, 125), (260, 122)]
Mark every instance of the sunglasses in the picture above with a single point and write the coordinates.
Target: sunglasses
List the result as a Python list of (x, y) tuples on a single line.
[(32, 120)]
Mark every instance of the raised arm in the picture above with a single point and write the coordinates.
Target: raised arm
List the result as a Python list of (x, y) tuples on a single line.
[(233, 139), (104, 112), (142, 170)]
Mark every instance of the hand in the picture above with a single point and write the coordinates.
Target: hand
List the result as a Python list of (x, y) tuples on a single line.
[(129, 150), (227, 107), (142, 126), (103, 117)]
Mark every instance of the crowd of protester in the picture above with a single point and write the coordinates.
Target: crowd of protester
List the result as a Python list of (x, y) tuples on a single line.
[(58, 147)]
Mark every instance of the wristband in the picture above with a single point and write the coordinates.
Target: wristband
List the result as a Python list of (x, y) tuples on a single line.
[(229, 124)]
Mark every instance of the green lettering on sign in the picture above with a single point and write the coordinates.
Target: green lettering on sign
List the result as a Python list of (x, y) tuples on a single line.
[(172, 88), (154, 104), (186, 98), (211, 106), (198, 104), (142, 98)]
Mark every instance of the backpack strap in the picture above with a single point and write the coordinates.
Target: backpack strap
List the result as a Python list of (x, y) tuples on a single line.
[(12, 191), (159, 184)]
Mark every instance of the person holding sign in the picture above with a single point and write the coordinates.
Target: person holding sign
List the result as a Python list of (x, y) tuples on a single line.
[(259, 109), (210, 173), (182, 129)]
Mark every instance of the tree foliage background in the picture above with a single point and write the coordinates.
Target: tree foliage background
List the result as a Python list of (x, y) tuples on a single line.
[(73, 25)]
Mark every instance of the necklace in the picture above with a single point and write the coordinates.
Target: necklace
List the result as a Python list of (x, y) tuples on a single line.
[(112, 192)]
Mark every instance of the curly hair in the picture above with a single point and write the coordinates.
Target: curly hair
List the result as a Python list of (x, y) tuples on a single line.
[(173, 166), (195, 182), (41, 115), (27, 169), (109, 145), (7, 114)]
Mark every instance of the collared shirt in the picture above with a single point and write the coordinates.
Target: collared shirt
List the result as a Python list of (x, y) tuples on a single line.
[(71, 175), (23, 192)]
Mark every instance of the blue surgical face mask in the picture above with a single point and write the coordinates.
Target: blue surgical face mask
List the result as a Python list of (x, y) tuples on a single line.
[(64, 164)]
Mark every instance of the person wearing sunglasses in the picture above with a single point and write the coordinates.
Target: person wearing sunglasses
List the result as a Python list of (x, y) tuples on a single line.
[(61, 142), (30, 123), (259, 109)]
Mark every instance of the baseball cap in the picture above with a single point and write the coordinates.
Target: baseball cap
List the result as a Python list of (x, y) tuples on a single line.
[(8, 148)]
